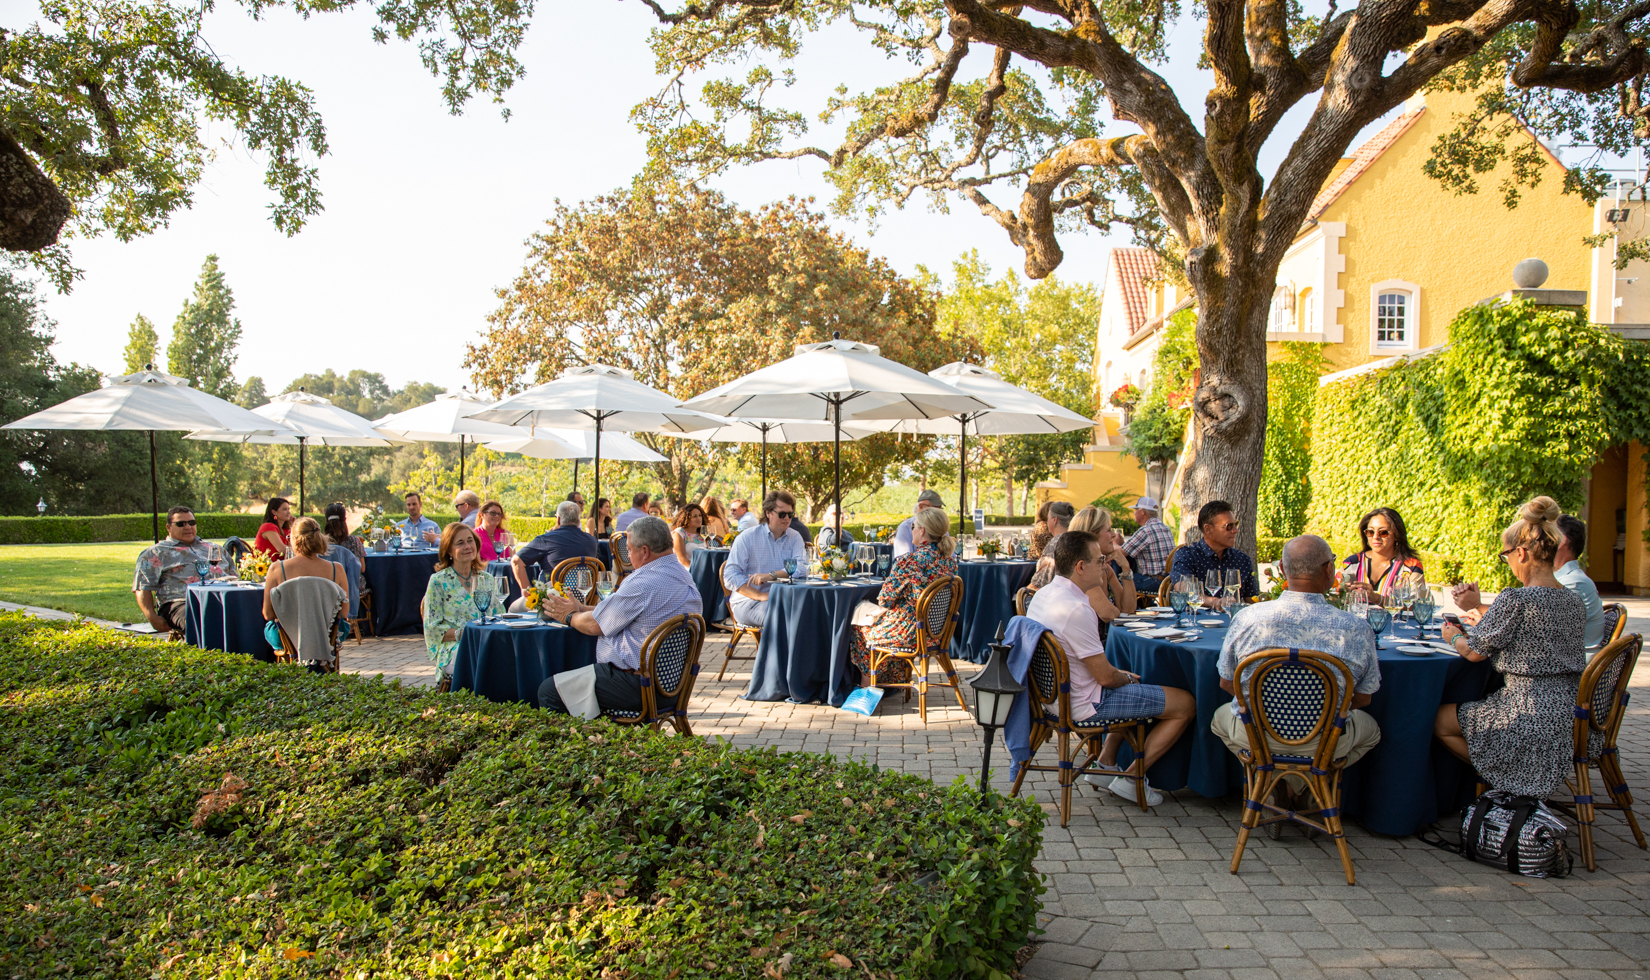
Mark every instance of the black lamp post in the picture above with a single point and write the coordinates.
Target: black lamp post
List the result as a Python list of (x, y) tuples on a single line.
[(994, 691), (40, 508)]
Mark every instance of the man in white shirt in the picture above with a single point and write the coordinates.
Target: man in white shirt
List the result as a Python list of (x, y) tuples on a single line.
[(638, 509), (757, 558), (1099, 690), (742, 515), (1567, 569), (902, 534)]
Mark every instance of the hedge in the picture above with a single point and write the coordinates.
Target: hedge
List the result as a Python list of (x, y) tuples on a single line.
[(173, 812), (117, 527)]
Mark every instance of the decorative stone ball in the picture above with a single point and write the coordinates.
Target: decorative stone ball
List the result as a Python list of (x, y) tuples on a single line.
[(1530, 274)]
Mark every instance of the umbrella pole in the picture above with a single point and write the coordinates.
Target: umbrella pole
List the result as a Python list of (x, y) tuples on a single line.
[(836, 465), (301, 443), (596, 501), (764, 463), (154, 486), (575, 476), (962, 474), (461, 461)]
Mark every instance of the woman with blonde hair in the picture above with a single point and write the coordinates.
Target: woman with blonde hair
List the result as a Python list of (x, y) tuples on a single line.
[(309, 547), (1117, 596), (1519, 738), (460, 580), (716, 519), (932, 555)]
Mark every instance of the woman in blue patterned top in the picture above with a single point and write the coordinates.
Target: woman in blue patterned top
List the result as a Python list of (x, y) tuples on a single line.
[(933, 557)]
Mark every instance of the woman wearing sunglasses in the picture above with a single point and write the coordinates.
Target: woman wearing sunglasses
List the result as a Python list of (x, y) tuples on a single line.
[(1386, 557)]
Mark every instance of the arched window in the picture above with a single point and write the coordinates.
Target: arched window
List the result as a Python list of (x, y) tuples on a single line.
[(1307, 307), (1282, 317), (1393, 308)]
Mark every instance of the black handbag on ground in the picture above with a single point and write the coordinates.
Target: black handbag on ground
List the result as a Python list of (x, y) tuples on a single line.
[(1516, 833)]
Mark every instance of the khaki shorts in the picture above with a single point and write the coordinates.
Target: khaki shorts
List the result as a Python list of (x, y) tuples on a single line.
[(1361, 735)]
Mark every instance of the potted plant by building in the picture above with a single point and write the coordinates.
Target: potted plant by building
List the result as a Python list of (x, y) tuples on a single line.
[(1126, 397)]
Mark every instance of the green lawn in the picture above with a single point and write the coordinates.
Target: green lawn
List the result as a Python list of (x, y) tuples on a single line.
[(92, 579)]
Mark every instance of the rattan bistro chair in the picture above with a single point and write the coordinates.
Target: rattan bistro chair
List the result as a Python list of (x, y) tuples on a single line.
[(1601, 704), (1048, 684), (1298, 698), (937, 607), (1167, 585), (578, 576), (670, 665), (619, 544), (1615, 621), (737, 630), (1022, 600)]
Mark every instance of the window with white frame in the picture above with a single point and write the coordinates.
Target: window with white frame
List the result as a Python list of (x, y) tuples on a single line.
[(1393, 308), (1282, 317), (1308, 307)]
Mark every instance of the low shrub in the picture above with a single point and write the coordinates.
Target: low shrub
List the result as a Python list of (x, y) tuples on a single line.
[(117, 527), (178, 813)]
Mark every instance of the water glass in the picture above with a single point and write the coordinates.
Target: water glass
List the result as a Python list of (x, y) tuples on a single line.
[(604, 585), (1423, 609), (1177, 602), (201, 568), (790, 568), (1378, 617), (884, 560), (483, 601)]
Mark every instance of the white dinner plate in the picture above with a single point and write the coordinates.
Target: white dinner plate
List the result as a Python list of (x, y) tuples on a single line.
[(1163, 633), (1416, 651), (519, 624), (1211, 622)]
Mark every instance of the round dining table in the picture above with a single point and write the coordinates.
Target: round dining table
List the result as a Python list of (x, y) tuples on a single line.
[(502, 662), (398, 581), (803, 654), (1403, 784), (988, 601), (705, 568), (228, 616)]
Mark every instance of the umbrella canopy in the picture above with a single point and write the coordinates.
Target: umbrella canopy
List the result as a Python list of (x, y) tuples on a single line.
[(446, 420), (837, 380), (596, 397), (150, 401), (768, 431), (1015, 412), (574, 445)]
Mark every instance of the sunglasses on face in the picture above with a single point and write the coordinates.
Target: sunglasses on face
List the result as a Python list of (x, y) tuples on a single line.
[(492, 513), (183, 523), (784, 514), (1228, 526), (1378, 532)]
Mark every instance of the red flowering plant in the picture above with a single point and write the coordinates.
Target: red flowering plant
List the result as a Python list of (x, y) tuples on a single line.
[(1126, 396)]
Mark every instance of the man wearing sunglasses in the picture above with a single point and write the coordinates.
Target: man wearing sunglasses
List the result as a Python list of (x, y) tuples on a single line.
[(758, 558), (166, 570), (1215, 551)]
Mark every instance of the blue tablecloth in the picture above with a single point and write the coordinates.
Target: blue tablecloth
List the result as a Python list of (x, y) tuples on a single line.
[(398, 584), (1403, 784), (605, 553), (499, 567), (228, 617), (504, 664), (803, 655), (988, 599), (706, 568)]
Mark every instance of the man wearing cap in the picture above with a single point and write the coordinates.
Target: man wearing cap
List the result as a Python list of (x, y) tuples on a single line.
[(1148, 548), (902, 534)]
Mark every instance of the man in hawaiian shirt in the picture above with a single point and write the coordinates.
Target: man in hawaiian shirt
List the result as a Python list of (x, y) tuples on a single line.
[(165, 572)]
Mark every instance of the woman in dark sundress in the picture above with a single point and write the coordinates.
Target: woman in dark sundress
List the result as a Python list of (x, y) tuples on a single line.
[(1520, 738), (932, 557)]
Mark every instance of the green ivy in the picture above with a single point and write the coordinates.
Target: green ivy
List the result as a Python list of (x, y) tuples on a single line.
[(1521, 403), (1157, 429), (1285, 487)]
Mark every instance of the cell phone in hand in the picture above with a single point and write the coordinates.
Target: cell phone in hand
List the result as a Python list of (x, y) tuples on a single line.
[(1454, 621)]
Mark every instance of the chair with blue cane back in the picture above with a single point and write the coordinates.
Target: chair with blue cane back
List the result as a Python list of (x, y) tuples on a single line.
[(670, 666), (1601, 704)]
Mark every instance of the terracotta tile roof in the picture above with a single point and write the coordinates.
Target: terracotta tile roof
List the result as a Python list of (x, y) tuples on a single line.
[(1134, 268), (1362, 159)]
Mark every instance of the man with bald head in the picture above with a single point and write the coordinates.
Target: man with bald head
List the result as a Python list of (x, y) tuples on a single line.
[(1302, 619)]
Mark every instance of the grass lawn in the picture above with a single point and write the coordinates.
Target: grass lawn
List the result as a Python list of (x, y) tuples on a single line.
[(92, 579)]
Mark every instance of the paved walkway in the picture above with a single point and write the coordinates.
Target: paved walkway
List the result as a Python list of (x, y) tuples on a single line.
[(1149, 895)]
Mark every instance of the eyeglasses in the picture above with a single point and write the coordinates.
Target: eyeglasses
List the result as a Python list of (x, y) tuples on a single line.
[(183, 523), (1504, 554), (1228, 526), (492, 513), (1378, 532)]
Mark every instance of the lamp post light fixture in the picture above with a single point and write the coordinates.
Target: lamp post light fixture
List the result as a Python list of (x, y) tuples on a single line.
[(994, 691), (40, 508)]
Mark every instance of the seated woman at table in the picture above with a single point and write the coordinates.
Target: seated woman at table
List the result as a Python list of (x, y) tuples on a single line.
[(337, 531), (1039, 533), (272, 533), (716, 519), (1386, 557), (1117, 596), (497, 542), (933, 555), (600, 521), (687, 533), (309, 546), (1519, 738), (450, 602), (827, 531)]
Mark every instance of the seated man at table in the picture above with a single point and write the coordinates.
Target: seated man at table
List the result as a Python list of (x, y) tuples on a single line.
[(741, 513), (656, 590), (1148, 548), (417, 526), (638, 509), (902, 533), (1301, 619), (1215, 552), (577, 498), (542, 554), (467, 503), (758, 556), (166, 570), (1099, 690)]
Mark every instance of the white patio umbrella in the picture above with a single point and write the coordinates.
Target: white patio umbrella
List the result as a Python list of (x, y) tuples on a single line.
[(150, 401), (445, 420), (774, 430), (593, 398), (307, 419), (832, 381), (574, 445), (1016, 412)]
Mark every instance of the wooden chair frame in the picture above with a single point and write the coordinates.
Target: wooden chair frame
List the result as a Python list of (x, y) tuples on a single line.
[(1262, 770), (288, 654), (1167, 584), (1620, 613), (618, 543), (1022, 600), (364, 619), (1589, 725), (653, 715), (1091, 737), (736, 631), (927, 646), (558, 575)]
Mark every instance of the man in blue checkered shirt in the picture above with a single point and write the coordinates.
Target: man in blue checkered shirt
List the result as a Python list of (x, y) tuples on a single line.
[(1148, 548)]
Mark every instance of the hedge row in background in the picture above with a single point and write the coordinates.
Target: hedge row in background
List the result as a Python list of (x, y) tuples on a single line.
[(181, 813)]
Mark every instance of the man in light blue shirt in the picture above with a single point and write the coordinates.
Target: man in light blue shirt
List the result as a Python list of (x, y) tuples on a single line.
[(1567, 569), (742, 515), (902, 534), (758, 558), (418, 527), (638, 509)]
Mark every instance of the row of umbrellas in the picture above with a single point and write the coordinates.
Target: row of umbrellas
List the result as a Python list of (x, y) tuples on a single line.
[(808, 397)]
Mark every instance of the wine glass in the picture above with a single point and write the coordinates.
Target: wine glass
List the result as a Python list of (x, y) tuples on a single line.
[(790, 568), (1234, 588), (1378, 618), (1194, 594), (503, 582), (884, 560), (604, 585), (1177, 601), (214, 557), (1214, 583)]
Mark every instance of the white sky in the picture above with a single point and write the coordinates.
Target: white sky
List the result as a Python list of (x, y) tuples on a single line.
[(426, 213)]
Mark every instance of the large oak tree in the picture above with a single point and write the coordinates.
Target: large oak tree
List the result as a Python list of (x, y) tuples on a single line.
[(1005, 102)]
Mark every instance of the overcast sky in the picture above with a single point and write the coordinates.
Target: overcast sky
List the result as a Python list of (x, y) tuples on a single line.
[(426, 213)]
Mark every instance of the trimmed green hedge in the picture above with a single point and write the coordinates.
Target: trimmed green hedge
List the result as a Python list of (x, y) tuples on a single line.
[(173, 812), (117, 527)]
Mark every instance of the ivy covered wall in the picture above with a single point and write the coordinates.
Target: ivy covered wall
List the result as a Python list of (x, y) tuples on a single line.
[(1521, 403), (1285, 482)]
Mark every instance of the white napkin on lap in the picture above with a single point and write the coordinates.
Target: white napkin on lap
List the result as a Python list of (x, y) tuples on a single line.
[(867, 613), (577, 689)]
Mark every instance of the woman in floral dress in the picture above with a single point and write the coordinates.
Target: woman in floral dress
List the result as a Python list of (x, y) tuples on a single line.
[(450, 602), (932, 557)]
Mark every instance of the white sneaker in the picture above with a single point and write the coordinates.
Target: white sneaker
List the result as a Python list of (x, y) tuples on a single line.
[(1124, 787), (1095, 779)]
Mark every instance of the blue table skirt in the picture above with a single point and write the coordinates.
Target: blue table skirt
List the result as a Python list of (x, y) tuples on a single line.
[(706, 569), (605, 553), (398, 584), (233, 620), (803, 655), (501, 566), (504, 664), (1403, 784), (988, 599)]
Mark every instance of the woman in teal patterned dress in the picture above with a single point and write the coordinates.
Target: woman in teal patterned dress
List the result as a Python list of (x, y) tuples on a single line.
[(931, 558), (450, 602)]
